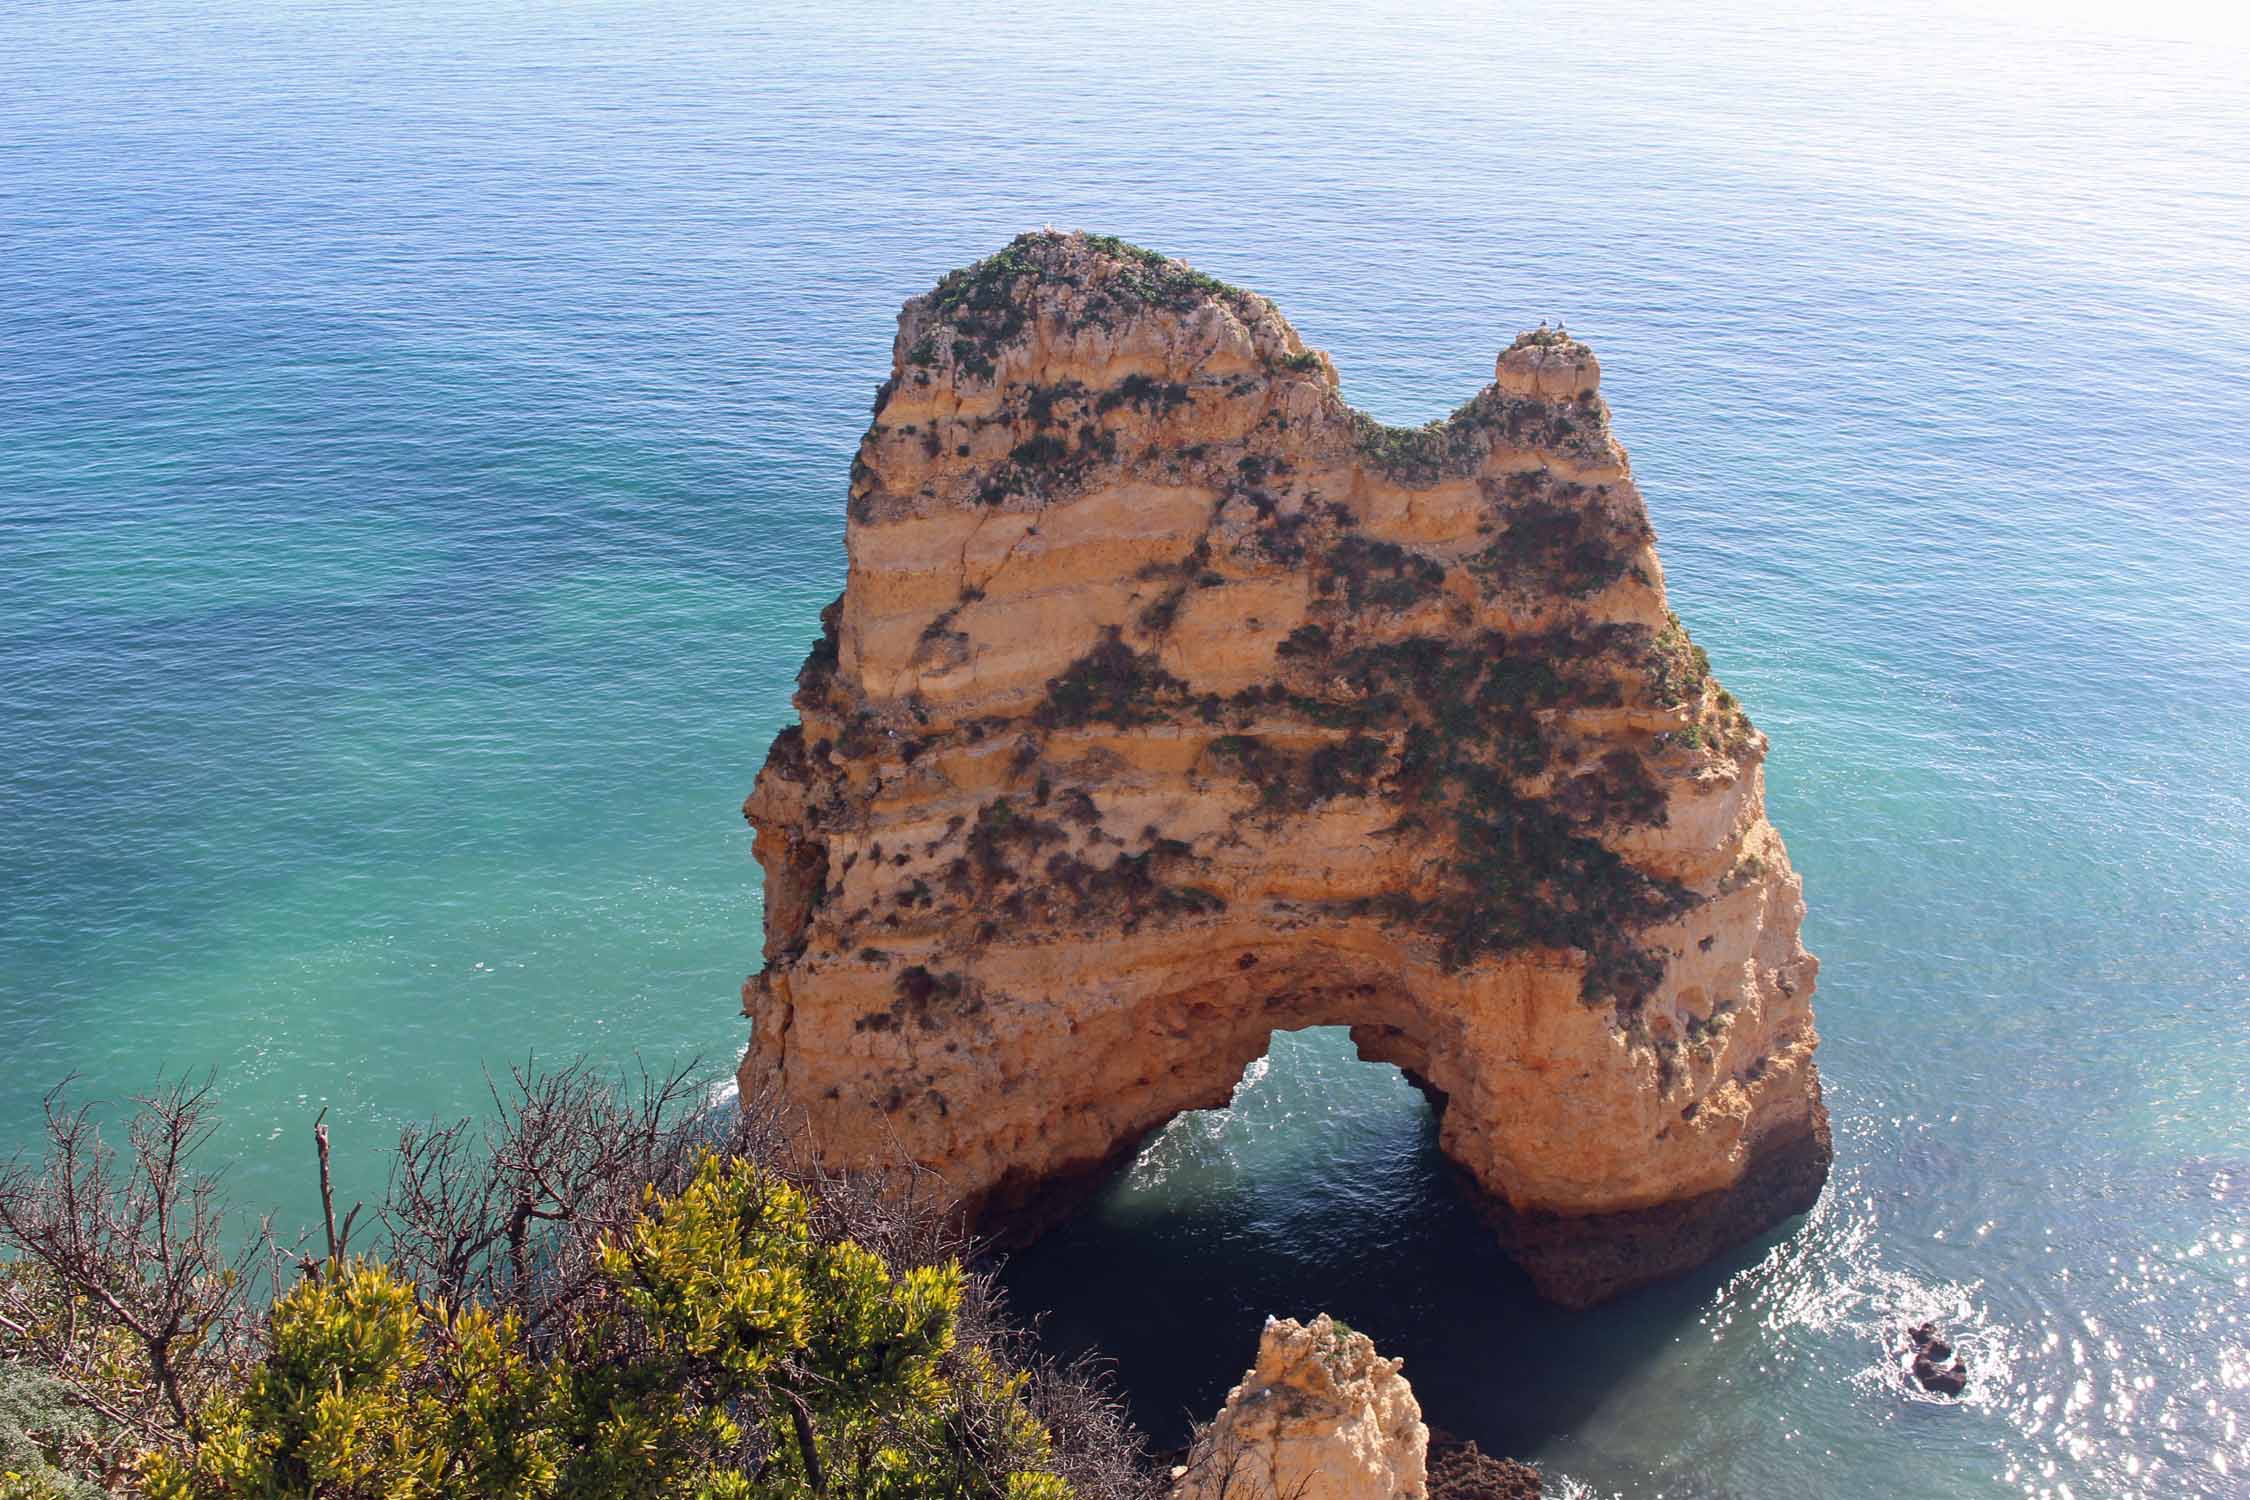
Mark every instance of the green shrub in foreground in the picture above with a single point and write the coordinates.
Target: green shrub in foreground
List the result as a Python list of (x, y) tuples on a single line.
[(610, 1293), (730, 1353)]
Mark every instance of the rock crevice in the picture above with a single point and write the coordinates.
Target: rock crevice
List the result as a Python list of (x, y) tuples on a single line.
[(1171, 702)]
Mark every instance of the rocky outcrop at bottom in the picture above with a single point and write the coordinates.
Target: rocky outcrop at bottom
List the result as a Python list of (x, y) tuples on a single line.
[(1458, 1471), (1581, 1260), (1321, 1416)]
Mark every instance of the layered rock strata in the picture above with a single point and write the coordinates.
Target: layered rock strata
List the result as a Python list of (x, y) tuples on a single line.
[(1171, 702), (1320, 1416)]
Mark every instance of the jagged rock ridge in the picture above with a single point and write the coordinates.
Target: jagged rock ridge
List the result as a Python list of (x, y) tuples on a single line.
[(1170, 701)]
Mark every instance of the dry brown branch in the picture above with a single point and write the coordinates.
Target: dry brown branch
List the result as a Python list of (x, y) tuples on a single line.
[(339, 1240), (509, 1209), (119, 1253)]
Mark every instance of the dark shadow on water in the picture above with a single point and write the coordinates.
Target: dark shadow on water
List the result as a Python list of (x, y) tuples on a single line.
[(1173, 1282)]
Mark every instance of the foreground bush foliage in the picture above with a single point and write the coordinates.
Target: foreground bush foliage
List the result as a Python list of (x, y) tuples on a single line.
[(605, 1295)]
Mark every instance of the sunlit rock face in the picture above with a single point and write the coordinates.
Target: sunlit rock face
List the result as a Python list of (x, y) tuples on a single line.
[(1321, 1416), (1170, 701)]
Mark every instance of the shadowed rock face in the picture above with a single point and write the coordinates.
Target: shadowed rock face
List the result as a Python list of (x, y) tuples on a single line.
[(1171, 702)]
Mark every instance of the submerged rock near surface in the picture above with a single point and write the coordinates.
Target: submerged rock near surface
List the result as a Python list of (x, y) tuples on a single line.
[(1930, 1351), (1321, 1416), (1171, 702)]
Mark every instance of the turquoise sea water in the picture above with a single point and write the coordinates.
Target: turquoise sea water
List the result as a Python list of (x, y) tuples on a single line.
[(423, 437)]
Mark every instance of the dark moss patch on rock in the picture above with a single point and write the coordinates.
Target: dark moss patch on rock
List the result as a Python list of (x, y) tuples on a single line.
[(1111, 684), (927, 1000), (1378, 573), (1530, 868)]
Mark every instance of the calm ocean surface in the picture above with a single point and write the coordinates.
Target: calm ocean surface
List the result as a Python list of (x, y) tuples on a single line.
[(423, 439)]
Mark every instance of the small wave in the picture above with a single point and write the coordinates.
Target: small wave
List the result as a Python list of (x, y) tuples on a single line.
[(1830, 1280), (1196, 1134), (1563, 1487)]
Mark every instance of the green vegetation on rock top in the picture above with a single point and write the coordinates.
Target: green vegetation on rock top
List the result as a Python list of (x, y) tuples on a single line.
[(1132, 274)]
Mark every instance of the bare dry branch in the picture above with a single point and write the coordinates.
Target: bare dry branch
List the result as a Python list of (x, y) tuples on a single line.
[(128, 1251)]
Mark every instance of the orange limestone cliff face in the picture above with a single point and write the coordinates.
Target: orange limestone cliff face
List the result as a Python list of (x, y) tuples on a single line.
[(1171, 702)]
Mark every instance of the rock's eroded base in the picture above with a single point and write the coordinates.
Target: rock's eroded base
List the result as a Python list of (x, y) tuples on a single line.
[(1584, 1260)]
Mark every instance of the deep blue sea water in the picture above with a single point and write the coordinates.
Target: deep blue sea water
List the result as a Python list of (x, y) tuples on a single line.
[(423, 439)]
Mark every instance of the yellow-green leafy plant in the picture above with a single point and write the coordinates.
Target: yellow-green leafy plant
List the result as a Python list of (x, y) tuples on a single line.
[(369, 1391), (729, 1350)]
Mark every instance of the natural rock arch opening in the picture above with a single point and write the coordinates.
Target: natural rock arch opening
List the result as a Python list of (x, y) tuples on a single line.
[(1308, 1115), (1229, 1045), (1171, 702), (1319, 1169)]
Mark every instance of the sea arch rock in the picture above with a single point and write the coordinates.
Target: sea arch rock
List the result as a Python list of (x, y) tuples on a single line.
[(1170, 701)]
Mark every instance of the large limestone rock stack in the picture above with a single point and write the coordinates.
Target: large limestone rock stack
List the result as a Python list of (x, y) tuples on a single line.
[(1321, 1416), (1170, 701)]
